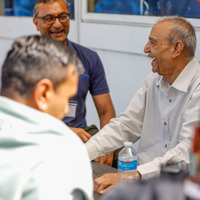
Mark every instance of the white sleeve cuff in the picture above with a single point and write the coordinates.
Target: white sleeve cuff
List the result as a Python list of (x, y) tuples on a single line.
[(149, 170), (92, 150)]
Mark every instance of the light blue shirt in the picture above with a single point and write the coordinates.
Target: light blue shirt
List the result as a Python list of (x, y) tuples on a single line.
[(41, 158)]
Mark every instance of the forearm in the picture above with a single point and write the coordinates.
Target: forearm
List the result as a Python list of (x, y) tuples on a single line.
[(106, 117), (105, 141), (179, 154), (110, 138), (104, 108)]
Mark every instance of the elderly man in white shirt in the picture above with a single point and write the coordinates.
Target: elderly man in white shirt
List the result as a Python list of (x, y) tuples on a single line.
[(163, 113)]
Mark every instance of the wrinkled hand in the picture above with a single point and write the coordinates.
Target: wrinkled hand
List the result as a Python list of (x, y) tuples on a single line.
[(106, 160), (104, 183), (82, 134)]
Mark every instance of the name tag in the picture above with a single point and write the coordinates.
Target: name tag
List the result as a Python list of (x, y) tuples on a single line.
[(72, 109)]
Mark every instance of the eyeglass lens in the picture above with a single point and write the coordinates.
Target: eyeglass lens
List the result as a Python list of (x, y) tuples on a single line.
[(50, 19)]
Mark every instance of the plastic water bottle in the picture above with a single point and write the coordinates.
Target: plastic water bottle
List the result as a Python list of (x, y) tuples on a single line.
[(127, 163)]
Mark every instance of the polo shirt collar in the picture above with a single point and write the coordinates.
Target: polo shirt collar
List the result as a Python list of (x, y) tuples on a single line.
[(184, 79)]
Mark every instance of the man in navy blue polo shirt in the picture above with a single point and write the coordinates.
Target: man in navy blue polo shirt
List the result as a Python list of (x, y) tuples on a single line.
[(51, 18)]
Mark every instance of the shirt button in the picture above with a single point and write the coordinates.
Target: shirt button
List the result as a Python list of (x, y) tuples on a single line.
[(165, 145), (165, 123), (170, 101)]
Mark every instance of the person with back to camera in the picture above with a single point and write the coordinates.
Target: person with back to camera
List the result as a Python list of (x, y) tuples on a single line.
[(163, 113), (52, 18), (39, 160)]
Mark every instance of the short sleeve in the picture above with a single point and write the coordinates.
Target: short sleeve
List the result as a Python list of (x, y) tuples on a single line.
[(98, 82)]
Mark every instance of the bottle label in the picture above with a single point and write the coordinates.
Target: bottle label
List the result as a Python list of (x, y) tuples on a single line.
[(124, 165)]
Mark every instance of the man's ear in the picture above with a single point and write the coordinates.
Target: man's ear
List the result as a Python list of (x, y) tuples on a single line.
[(35, 21), (177, 48), (42, 94)]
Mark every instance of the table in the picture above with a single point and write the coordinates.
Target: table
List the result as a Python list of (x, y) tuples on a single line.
[(99, 170)]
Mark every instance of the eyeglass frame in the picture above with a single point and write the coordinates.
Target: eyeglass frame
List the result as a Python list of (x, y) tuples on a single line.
[(55, 17)]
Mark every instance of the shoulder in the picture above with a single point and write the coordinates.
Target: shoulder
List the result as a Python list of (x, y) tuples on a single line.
[(88, 57), (81, 49)]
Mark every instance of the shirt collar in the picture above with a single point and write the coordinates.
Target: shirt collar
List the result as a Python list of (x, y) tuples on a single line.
[(184, 79), (31, 117)]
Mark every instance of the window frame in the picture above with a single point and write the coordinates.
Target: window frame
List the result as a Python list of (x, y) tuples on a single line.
[(130, 20)]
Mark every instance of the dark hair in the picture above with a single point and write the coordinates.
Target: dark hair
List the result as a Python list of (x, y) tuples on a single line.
[(33, 58), (35, 9)]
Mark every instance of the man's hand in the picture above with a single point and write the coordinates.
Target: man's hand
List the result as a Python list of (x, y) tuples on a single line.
[(104, 183), (106, 160), (82, 134)]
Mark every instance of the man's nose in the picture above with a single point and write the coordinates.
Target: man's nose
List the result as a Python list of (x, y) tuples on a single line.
[(57, 23), (146, 48)]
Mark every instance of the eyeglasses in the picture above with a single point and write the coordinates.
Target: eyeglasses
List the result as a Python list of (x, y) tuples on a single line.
[(50, 19)]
